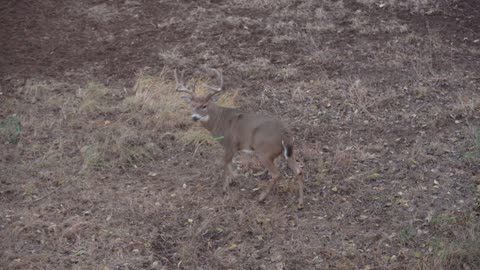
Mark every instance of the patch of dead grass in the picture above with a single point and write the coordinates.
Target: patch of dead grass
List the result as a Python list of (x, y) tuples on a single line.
[(361, 98), (470, 147), (94, 99), (256, 66), (364, 26), (155, 99), (197, 137), (114, 132), (153, 110), (467, 106), (418, 6), (459, 251), (261, 3)]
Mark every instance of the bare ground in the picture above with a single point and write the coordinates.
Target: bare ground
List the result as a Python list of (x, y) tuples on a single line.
[(108, 173)]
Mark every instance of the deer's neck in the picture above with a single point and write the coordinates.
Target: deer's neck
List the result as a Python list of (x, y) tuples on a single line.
[(219, 120)]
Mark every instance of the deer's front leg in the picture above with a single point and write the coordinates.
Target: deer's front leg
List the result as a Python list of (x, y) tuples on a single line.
[(299, 178), (227, 169), (268, 162)]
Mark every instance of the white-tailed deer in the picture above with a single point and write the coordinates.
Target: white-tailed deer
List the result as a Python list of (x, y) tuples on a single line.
[(238, 131)]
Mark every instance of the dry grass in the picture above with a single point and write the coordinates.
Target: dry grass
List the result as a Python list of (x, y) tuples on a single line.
[(261, 3), (361, 99), (93, 99), (459, 251), (420, 6), (255, 67), (470, 148), (154, 109), (364, 26), (384, 110), (467, 106)]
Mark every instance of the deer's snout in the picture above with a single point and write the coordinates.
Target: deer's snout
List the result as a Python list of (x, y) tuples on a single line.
[(198, 117), (195, 118)]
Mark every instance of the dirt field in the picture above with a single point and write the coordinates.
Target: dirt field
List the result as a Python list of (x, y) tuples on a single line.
[(110, 173)]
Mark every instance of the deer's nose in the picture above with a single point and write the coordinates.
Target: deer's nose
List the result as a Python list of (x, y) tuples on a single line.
[(195, 118)]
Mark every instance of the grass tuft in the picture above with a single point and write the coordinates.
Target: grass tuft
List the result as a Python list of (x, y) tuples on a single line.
[(196, 137), (93, 98), (460, 252), (156, 103), (471, 147)]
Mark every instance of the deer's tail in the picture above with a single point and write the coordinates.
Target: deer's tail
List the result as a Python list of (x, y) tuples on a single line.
[(287, 144)]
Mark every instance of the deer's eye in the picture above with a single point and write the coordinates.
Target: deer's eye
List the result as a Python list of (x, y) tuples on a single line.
[(204, 107)]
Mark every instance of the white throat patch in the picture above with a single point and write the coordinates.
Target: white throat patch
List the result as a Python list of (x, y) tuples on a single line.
[(205, 118)]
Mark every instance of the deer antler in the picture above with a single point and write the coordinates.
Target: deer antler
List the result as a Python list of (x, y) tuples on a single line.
[(180, 86), (216, 89)]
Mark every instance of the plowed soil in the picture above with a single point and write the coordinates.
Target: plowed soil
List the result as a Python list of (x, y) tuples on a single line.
[(383, 99)]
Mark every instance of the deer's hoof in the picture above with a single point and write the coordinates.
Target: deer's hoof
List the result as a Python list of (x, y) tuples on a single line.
[(300, 206), (226, 185)]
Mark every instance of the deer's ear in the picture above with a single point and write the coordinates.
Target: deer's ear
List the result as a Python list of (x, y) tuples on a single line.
[(187, 99)]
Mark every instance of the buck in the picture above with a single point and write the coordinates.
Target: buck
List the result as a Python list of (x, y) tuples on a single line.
[(237, 131)]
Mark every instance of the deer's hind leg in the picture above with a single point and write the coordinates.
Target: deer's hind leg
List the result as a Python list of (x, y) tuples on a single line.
[(227, 169), (292, 163), (268, 162)]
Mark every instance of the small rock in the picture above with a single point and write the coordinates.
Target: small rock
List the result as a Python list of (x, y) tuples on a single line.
[(276, 257), (155, 264)]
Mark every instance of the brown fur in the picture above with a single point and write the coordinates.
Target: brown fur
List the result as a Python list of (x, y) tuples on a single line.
[(264, 135)]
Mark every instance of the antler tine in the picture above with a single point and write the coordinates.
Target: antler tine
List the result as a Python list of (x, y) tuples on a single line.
[(180, 87), (219, 88)]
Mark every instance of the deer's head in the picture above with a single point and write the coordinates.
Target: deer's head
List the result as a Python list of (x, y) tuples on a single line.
[(199, 104)]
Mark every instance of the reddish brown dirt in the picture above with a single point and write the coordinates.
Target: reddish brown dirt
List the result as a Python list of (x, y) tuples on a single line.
[(384, 104)]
